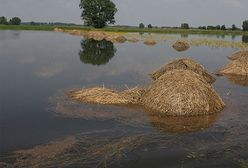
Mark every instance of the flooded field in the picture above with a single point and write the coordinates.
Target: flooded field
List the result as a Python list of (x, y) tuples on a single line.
[(41, 127)]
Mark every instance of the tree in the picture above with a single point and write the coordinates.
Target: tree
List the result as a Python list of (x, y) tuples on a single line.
[(96, 52), (141, 25), (223, 27), (185, 26), (3, 20), (218, 27), (149, 26), (234, 27), (98, 13), (245, 25), (15, 21)]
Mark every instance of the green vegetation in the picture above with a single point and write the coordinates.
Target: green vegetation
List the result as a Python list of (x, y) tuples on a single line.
[(185, 26), (245, 25), (3, 20), (15, 21), (141, 25), (149, 26), (126, 29), (98, 13)]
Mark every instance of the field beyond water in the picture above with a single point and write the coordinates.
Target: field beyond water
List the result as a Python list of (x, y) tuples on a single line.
[(126, 29)]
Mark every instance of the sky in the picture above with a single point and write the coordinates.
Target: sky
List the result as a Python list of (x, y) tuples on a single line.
[(133, 12)]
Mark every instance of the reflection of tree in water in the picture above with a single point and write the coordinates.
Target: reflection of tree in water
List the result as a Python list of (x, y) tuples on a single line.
[(245, 39), (96, 52)]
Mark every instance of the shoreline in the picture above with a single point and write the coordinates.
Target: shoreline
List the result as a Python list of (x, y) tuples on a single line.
[(126, 30)]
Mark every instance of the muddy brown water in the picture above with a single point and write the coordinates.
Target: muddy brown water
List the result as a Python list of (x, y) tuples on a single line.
[(37, 68)]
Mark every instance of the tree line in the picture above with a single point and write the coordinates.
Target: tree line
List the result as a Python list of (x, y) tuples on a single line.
[(12, 21), (99, 13)]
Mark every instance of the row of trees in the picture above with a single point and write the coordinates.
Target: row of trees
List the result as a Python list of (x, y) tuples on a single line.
[(13, 21), (141, 25)]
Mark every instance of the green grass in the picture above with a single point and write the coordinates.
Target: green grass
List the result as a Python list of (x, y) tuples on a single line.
[(126, 29)]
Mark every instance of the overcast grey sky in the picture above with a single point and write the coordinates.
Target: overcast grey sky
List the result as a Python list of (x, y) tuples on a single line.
[(132, 12)]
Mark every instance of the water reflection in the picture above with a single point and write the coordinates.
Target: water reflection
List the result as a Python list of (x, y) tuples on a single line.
[(238, 79), (245, 39), (169, 124), (96, 52)]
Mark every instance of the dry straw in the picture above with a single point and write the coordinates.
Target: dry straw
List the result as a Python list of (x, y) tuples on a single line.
[(237, 66), (107, 96), (184, 64), (150, 42), (239, 55), (181, 46), (182, 92)]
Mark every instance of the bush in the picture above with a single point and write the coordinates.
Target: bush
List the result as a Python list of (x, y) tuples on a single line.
[(149, 26)]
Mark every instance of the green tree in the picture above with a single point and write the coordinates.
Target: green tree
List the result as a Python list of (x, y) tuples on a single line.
[(15, 21), (96, 52), (141, 25), (218, 27), (98, 13), (3, 20), (185, 26), (223, 27), (149, 26), (234, 27), (245, 25)]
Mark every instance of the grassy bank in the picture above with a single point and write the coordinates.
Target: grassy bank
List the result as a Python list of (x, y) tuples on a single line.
[(126, 29)]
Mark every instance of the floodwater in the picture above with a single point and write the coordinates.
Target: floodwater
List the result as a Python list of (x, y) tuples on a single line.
[(41, 127)]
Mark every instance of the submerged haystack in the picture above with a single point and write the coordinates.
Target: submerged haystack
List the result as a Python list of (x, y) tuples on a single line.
[(105, 96), (182, 92), (150, 42), (237, 66), (184, 64), (181, 46), (133, 40), (238, 79)]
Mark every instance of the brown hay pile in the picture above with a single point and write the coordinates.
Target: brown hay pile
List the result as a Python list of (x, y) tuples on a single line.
[(182, 92), (182, 124), (133, 40), (181, 46), (106, 96), (184, 64), (150, 42), (96, 35), (238, 66), (239, 55), (116, 38)]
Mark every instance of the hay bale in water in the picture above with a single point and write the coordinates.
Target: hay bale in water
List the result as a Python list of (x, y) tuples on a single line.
[(116, 38), (182, 93), (106, 96), (236, 67), (182, 124), (184, 64), (181, 46), (239, 55), (133, 40), (150, 42), (99, 36), (56, 29)]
